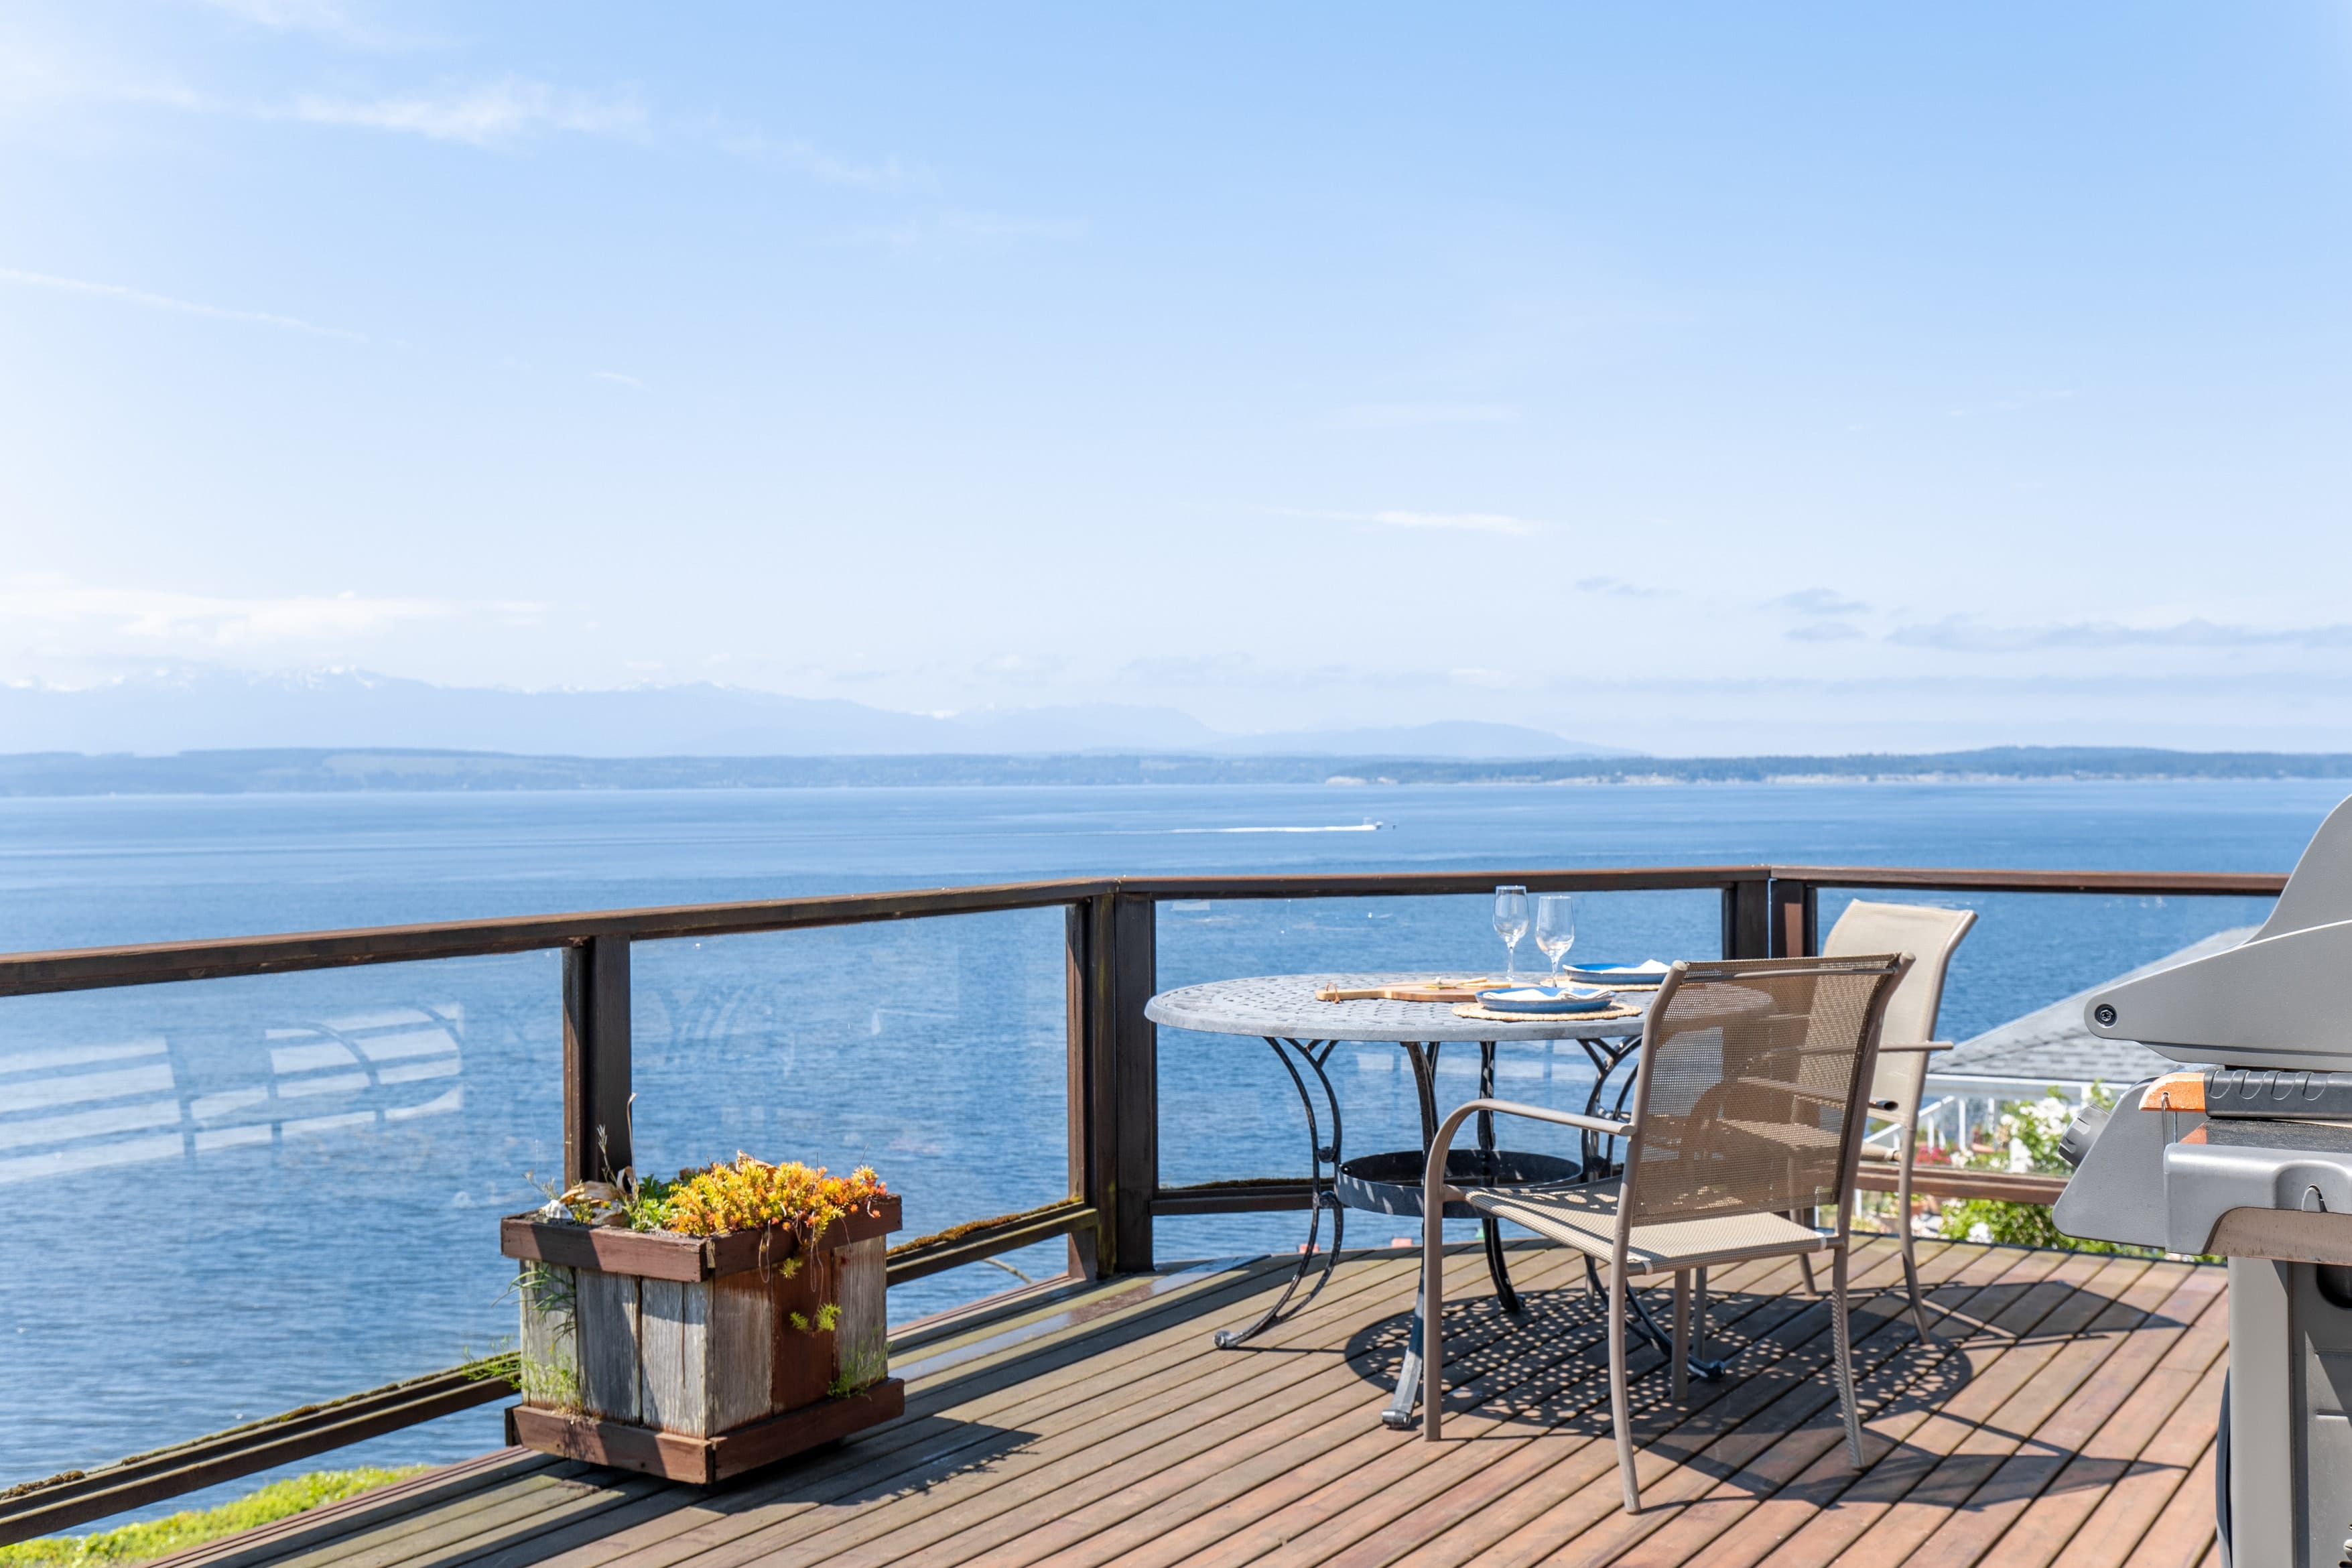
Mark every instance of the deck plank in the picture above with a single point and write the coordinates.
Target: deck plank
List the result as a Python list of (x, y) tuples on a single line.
[(2009, 1402), (1181, 1364), (2118, 1359), (1786, 1477), (2067, 1417), (2054, 1523), (2139, 1497), (1594, 1506), (1257, 1393), (1813, 1525), (1406, 1499), (1519, 1527), (1206, 1500), (2055, 1513), (996, 1396), (1304, 1441)]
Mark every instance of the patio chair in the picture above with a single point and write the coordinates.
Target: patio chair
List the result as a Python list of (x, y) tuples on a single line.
[(1748, 1106), (1909, 1034)]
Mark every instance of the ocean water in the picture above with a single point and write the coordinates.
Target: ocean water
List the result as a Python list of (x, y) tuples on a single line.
[(227, 1198)]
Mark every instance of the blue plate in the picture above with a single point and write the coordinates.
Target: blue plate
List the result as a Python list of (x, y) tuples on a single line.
[(1542, 1000), (1613, 974)]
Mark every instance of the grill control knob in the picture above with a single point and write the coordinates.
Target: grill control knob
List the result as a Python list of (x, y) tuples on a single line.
[(2105, 1014)]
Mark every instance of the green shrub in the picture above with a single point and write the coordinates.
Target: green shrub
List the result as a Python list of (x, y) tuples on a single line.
[(129, 1543), (2038, 1125)]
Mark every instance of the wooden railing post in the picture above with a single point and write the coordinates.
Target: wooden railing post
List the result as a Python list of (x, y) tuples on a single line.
[(1746, 919), (1795, 918), (1134, 973), (1086, 1087), (596, 1059), (1114, 1088)]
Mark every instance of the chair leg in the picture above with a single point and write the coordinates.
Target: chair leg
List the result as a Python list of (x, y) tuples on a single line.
[(1620, 1415), (1698, 1316), (1433, 1329), (1903, 1231), (1805, 1260), (1911, 1283), (1682, 1335), (1842, 1335)]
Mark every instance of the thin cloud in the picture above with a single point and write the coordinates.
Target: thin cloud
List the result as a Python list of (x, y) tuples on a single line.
[(615, 375), (320, 19), (159, 616), (1467, 521), (1397, 415), (1958, 634), (1459, 521), (968, 229), (806, 157), (165, 302), (1618, 588), (1823, 631), (489, 115), (1819, 602), (504, 113)]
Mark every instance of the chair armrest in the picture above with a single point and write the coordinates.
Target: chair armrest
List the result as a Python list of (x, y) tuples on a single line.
[(1435, 1193), (1918, 1048), (1544, 1113)]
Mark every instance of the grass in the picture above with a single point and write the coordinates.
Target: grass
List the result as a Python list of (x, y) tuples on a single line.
[(128, 1544)]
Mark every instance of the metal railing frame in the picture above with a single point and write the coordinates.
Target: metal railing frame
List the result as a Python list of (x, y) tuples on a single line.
[(1110, 961)]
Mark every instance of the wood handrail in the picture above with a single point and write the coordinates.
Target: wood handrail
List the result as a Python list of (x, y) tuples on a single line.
[(2150, 884), (148, 963), (76, 1497)]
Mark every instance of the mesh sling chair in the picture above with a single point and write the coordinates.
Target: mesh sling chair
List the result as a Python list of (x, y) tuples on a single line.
[(1905, 1041), (1748, 1106)]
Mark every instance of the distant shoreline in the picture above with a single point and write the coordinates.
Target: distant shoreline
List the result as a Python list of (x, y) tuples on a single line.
[(355, 769)]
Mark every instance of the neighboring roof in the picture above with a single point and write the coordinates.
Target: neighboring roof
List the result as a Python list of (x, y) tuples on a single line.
[(2050, 1045)]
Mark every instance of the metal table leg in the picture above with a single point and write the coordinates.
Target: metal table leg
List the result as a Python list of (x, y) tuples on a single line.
[(1424, 1057), (1314, 1053), (1598, 1166), (1496, 1270)]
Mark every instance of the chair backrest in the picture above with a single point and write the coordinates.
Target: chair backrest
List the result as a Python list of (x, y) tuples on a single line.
[(1752, 1078), (1928, 934)]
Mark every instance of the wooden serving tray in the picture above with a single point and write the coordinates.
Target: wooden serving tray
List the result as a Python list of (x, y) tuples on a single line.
[(1430, 991), (665, 1255)]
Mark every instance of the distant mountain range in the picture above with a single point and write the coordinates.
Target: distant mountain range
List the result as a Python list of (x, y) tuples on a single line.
[(329, 770), (194, 708)]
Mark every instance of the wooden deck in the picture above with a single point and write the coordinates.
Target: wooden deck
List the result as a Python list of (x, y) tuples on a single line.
[(2070, 1417)]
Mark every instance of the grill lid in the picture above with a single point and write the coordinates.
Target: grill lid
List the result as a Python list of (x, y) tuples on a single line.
[(2282, 999)]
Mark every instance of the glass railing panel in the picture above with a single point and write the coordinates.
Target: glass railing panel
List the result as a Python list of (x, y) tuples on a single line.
[(229, 1198), (932, 1049)]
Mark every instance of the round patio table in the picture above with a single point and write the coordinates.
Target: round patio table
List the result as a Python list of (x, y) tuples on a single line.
[(1283, 1011)]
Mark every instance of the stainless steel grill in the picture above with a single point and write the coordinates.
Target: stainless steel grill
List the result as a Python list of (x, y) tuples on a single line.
[(2250, 1156)]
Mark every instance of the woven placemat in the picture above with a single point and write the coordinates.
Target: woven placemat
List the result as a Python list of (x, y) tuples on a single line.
[(1472, 1010)]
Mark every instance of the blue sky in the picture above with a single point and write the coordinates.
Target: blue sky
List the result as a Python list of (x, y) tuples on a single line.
[(1699, 378)]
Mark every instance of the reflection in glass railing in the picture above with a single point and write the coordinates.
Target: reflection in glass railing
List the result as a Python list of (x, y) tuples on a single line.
[(129, 1102), (234, 1197), (934, 1050)]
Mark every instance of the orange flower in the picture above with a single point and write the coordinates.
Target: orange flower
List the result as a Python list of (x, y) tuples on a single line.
[(751, 1193)]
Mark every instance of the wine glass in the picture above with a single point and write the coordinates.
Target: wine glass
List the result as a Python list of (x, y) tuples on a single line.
[(1510, 924), (1555, 928)]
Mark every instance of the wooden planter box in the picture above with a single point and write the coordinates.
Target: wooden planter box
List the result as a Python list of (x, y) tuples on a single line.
[(686, 1356)]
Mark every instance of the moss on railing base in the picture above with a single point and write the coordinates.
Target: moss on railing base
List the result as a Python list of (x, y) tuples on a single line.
[(128, 1544)]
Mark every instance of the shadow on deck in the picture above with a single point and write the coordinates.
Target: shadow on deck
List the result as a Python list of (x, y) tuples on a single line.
[(2068, 1416)]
